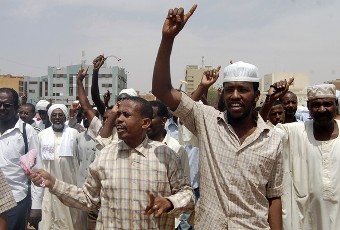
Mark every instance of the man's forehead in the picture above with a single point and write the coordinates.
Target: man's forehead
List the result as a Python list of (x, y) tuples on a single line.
[(289, 95), (327, 99), (238, 83), (5, 96), (57, 111), (127, 105)]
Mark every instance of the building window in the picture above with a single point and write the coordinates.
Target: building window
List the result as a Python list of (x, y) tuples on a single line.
[(57, 85), (59, 75), (106, 85), (33, 82), (31, 91), (104, 75)]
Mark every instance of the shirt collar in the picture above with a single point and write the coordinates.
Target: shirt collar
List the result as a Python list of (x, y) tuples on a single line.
[(142, 148), (261, 125)]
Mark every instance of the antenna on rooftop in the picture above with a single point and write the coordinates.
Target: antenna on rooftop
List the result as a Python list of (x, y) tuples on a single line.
[(83, 60)]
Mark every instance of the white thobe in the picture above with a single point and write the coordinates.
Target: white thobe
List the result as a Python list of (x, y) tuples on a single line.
[(56, 215), (311, 179)]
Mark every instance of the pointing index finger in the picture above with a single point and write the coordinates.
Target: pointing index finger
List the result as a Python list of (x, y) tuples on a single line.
[(191, 12)]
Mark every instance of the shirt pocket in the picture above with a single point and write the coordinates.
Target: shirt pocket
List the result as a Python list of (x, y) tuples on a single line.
[(15, 148), (260, 169)]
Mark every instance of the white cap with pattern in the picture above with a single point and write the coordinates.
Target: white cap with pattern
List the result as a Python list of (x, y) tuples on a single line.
[(241, 71), (321, 91)]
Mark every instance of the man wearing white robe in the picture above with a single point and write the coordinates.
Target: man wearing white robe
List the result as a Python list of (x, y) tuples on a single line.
[(59, 152), (311, 198)]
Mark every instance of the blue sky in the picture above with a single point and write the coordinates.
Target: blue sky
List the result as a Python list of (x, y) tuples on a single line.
[(275, 35)]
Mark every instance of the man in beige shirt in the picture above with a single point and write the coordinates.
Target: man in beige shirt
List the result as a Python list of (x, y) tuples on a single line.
[(240, 155), (130, 179)]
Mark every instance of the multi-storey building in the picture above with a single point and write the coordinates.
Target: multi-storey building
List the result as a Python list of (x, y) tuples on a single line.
[(60, 84), (193, 76), (15, 82)]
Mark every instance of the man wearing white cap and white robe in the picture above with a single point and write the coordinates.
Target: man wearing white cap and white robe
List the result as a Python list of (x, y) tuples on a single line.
[(240, 155), (311, 198), (59, 153)]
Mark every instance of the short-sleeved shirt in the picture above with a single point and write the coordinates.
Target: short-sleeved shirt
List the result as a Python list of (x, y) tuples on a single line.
[(235, 179), (120, 179)]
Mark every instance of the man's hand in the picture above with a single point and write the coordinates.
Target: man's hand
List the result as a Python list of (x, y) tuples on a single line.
[(279, 89), (158, 205), (210, 77), (74, 108), (176, 20), (82, 74), (35, 217), (24, 98), (98, 62), (42, 178), (107, 97)]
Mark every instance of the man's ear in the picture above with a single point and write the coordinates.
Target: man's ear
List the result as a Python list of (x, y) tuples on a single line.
[(257, 95), (146, 123)]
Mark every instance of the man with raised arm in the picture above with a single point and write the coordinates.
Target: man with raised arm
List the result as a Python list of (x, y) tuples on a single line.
[(240, 159), (311, 161), (130, 179)]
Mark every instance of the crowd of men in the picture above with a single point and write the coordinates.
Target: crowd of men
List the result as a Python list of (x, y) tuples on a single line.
[(173, 163)]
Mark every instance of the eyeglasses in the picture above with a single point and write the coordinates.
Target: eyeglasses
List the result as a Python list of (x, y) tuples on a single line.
[(24, 113), (5, 105)]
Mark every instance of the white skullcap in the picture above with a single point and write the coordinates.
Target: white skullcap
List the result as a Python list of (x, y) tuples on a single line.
[(57, 106), (42, 105), (321, 91), (131, 92), (241, 71)]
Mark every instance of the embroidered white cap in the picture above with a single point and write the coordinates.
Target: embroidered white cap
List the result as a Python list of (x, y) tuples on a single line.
[(321, 91), (241, 71)]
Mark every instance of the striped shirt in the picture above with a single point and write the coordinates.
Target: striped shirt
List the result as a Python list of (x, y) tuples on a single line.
[(235, 179), (119, 181), (6, 200)]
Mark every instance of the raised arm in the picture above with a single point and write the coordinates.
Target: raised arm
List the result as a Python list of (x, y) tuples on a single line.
[(161, 82), (208, 79), (84, 102), (276, 91), (97, 63)]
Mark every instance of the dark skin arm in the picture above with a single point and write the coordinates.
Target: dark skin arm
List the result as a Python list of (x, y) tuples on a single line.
[(276, 91), (110, 122), (84, 102), (208, 79), (161, 83), (107, 97), (275, 213), (24, 98), (97, 63)]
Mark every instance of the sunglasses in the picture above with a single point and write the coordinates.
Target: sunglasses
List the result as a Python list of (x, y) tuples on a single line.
[(24, 113), (5, 105)]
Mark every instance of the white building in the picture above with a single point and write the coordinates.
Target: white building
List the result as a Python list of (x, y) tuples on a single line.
[(60, 84)]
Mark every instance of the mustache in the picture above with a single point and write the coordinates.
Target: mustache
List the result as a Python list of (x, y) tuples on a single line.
[(323, 114)]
